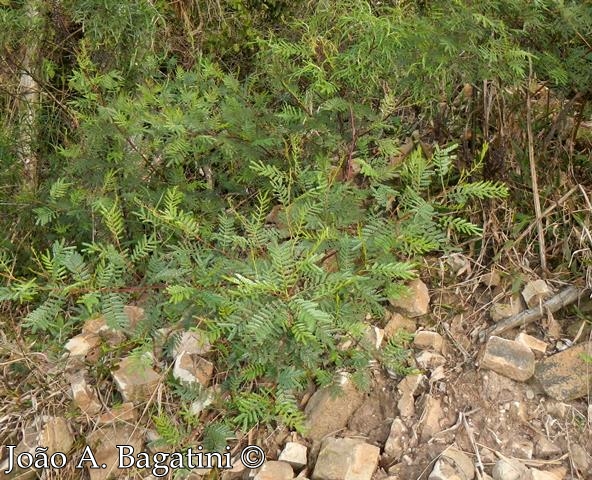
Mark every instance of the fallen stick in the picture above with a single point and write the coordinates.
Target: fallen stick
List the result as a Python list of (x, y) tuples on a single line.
[(562, 299)]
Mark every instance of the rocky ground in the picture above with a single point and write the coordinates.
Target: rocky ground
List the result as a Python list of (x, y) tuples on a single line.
[(512, 405)]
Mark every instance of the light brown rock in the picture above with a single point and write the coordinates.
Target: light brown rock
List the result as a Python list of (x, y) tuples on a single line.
[(82, 344), (327, 413), (84, 396), (427, 340), (453, 464), (193, 342), (398, 323), (491, 279), (536, 292), (546, 449), (415, 302), (103, 445), (121, 413), (508, 469), (580, 458), (192, 368), (431, 418), (397, 441), (135, 379), (531, 342), (273, 470), (499, 311), (566, 376), (427, 360), (410, 387), (346, 459), (536, 474), (509, 358), (295, 454)]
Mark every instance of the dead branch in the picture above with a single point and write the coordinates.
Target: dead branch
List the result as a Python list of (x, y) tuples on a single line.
[(564, 298)]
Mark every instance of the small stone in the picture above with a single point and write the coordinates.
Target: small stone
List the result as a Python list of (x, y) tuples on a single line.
[(135, 378), (453, 465), (491, 279), (125, 413), (374, 336), (522, 449), (82, 344), (509, 358), (346, 459), (536, 474), (103, 444), (273, 470), (84, 396), (580, 458), (327, 412), (409, 388), (531, 342), (426, 340), (546, 449), (508, 469), (416, 302), (429, 361), (295, 454), (566, 376), (536, 292), (397, 442), (193, 342), (500, 311), (98, 326), (431, 417), (397, 323), (192, 368)]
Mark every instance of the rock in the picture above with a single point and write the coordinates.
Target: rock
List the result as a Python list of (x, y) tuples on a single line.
[(327, 412), (205, 400), (499, 311), (566, 376), (346, 459), (134, 315), (536, 474), (52, 433), (508, 469), (429, 424), (81, 345), (491, 279), (499, 389), (536, 292), (397, 323), (102, 443), (415, 302), (580, 458), (426, 340), (531, 342), (410, 387), (374, 336), (557, 409), (98, 326), (237, 472), (429, 360), (275, 471), (453, 465), (522, 448), (397, 442), (121, 413), (546, 449), (192, 368), (508, 358), (295, 454), (193, 342), (84, 396), (135, 378)]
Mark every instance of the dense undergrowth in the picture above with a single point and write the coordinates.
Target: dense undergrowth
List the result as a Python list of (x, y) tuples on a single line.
[(272, 185)]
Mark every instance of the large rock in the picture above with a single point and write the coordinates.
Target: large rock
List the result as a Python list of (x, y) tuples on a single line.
[(453, 465), (566, 376), (398, 323), (328, 412), (275, 471), (192, 368), (83, 395), (135, 379), (534, 293), (509, 358), (102, 447), (397, 442), (346, 459), (416, 301), (295, 454)]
